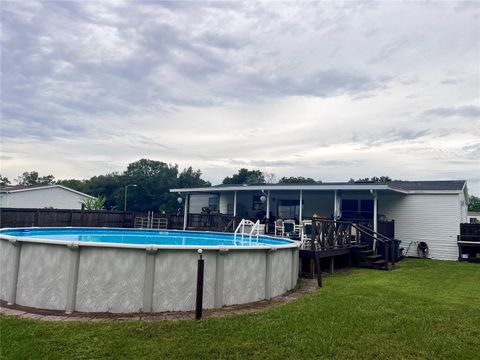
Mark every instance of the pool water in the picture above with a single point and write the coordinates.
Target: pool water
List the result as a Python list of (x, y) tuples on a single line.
[(146, 237)]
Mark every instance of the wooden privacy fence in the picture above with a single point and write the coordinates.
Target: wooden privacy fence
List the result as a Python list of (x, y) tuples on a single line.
[(13, 217), (10, 217)]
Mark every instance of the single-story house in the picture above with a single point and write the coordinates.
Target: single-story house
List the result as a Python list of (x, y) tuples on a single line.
[(422, 211), (41, 196)]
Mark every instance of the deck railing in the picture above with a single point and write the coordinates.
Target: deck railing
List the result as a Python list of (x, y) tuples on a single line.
[(333, 235), (469, 242)]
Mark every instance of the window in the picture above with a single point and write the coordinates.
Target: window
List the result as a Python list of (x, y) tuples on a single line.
[(349, 208), (288, 209), (366, 209), (357, 209), (213, 203)]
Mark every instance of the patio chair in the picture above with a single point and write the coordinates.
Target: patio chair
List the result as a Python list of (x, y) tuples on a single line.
[(279, 227), (288, 227), (306, 230)]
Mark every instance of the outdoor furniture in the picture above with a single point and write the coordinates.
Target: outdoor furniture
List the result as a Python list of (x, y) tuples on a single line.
[(279, 227), (306, 230), (288, 227)]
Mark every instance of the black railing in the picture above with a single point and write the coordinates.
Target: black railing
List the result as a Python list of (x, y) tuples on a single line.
[(469, 242)]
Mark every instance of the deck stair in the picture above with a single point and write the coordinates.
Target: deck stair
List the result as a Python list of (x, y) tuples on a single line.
[(367, 254), (364, 246)]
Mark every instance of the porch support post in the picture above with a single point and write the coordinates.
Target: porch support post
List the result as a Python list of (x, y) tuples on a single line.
[(336, 205), (235, 203), (375, 221), (268, 205), (300, 211), (185, 212), (267, 220)]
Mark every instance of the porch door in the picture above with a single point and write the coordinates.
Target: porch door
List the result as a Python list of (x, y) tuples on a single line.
[(288, 209)]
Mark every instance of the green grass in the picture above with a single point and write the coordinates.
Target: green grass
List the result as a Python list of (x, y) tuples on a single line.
[(423, 309)]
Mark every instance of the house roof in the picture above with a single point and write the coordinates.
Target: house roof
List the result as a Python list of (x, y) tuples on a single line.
[(407, 187), (449, 185), (7, 189)]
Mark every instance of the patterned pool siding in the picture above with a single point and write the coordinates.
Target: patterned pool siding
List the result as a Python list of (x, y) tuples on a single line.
[(85, 270)]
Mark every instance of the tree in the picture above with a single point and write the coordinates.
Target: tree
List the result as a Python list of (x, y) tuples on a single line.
[(32, 178), (191, 178), (296, 180), (474, 203), (154, 179), (94, 204), (4, 180), (270, 178), (75, 184), (245, 176), (110, 186), (374, 179)]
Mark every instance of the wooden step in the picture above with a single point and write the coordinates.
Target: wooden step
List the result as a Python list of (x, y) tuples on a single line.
[(375, 257), (361, 246), (366, 252)]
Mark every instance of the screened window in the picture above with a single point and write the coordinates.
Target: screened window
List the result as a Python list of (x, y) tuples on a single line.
[(288, 209), (213, 203), (357, 209)]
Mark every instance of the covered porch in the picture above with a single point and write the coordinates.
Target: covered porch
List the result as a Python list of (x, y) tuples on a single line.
[(220, 208)]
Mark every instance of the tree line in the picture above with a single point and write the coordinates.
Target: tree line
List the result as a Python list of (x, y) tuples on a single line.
[(154, 179)]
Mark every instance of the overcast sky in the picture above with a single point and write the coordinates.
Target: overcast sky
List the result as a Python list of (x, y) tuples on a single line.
[(326, 90)]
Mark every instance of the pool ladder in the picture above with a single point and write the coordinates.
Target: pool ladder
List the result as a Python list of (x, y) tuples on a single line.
[(255, 228)]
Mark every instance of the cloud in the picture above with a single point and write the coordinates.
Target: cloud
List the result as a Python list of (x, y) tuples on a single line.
[(326, 90), (462, 111)]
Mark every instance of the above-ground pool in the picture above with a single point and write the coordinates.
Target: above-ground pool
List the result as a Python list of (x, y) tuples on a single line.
[(131, 270)]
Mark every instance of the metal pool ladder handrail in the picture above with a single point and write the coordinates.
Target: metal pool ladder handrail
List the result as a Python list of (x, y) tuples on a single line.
[(246, 222)]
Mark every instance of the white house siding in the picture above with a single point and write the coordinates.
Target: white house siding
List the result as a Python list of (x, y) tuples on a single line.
[(432, 218), (225, 199), (463, 207), (55, 197)]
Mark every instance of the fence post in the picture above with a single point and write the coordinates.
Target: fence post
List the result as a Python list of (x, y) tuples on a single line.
[(318, 270), (314, 233), (199, 300)]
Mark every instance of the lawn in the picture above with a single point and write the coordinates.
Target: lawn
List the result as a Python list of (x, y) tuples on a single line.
[(423, 309)]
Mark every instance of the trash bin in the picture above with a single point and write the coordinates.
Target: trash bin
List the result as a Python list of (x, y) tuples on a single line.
[(396, 245)]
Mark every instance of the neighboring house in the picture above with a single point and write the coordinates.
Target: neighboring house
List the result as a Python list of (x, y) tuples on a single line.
[(423, 211), (41, 196), (473, 217)]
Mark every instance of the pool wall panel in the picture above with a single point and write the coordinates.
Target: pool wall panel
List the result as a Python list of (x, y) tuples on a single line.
[(43, 276), (281, 271), (244, 276), (175, 280), (7, 254), (110, 280)]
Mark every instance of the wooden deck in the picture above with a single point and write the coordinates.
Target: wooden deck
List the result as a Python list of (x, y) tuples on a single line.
[(357, 243)]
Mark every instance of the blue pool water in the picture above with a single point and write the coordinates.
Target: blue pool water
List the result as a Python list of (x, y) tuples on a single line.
[(146, 237)]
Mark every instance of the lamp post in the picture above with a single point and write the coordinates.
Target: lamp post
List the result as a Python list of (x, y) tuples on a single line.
[(126, 188)]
